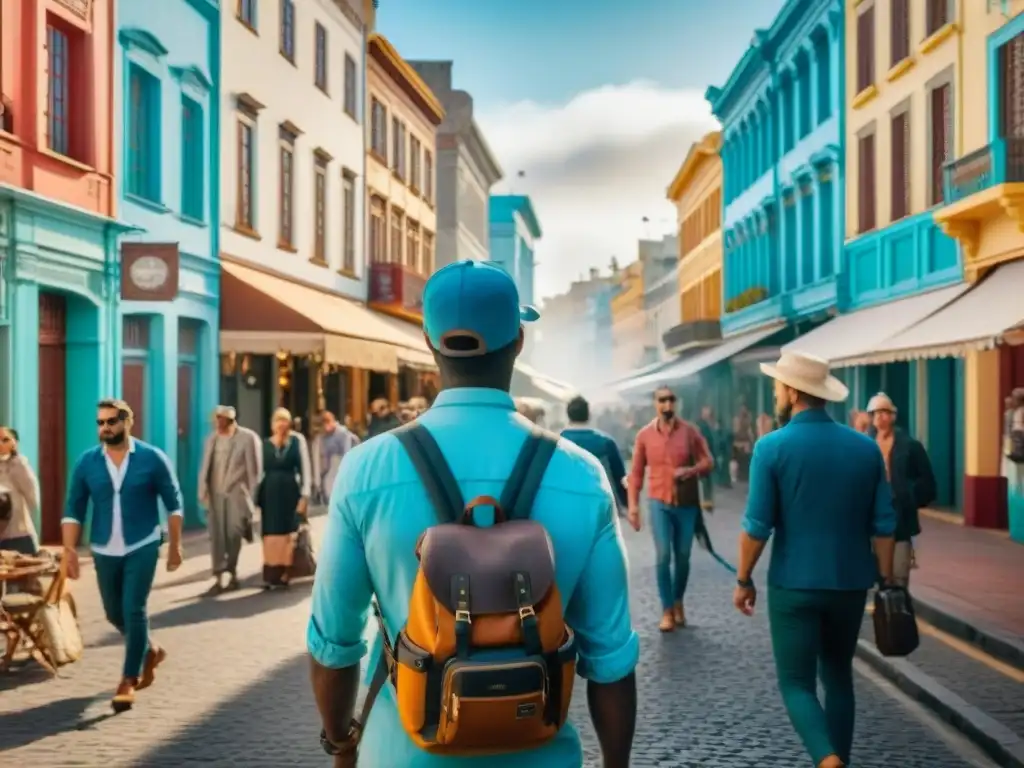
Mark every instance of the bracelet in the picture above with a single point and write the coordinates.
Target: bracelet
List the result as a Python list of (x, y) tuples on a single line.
[(745, 583)]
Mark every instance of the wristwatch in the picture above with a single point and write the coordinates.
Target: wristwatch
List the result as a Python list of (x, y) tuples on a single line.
[(348, 746), (745, 583)]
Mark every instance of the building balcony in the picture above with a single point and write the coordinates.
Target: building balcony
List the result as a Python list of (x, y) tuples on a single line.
[(813, 298), (760, 310), (980, 188), (692, 334), (397, 290)]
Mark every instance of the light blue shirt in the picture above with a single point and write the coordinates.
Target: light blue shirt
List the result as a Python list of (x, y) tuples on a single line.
[(822, 488), (378, 511)]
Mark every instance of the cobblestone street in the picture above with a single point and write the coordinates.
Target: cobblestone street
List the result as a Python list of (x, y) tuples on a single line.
[(235, 688)]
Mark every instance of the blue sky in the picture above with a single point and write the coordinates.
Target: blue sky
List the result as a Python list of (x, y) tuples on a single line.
[(597, 102)]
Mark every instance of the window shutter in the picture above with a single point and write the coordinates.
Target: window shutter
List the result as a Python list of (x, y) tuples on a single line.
[(899, 32), (866, 49), (866, 183), (936, 15), (941, 138), (900, 167)]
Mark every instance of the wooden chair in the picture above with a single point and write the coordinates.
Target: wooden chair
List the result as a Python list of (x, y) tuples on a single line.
[(20, 615)]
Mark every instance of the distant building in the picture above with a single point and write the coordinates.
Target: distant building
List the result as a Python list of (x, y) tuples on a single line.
[(514, 233), (466, 170)]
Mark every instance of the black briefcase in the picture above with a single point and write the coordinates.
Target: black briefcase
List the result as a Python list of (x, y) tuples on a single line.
[(895, 622)]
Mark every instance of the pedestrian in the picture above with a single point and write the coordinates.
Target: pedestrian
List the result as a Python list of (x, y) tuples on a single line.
[(124, 479), (598, 444), (677, 456), (329, 449), (283, 497), (861, 421), (380, 512), (708, 426), (822, 565), (382, 418), (18, 481), (229, 475), (910, 476)]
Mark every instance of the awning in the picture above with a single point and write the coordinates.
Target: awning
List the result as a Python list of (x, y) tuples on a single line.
[(264, 314), (694, 364), (545, 387), (977, 320), (416, 354), (848, 337), (645, 370)]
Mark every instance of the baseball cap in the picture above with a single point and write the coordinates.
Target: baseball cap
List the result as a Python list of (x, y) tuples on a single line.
[(471, 308)]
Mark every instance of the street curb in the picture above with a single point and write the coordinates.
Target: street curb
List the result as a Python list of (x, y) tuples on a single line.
[(999, 742), (996, 642)]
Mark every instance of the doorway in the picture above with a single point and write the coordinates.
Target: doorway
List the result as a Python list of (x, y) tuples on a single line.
[(52, 413), (186, 459), (135, 338)]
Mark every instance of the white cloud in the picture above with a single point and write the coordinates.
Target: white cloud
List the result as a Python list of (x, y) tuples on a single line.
[(595, 166)]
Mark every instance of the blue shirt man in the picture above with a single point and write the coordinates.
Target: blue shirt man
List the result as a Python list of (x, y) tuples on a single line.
[(598, 444), (379, 510)]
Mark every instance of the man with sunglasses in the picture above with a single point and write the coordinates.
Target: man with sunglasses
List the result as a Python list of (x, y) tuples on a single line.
[(677, 455), (124, 479)]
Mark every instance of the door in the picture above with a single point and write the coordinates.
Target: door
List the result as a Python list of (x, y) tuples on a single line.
[(135, 338), (52, 413), (186, 440)]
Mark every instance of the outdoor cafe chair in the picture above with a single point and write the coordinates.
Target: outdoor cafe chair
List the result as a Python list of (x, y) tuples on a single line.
[(21, 613)]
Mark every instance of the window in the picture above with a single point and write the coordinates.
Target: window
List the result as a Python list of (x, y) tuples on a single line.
[(397, 221), (58, 48), (427, 254), (247, 13), (936, 16), (941, 138), (1011, 90), (192, 161), (379, 130), (286, 189), (348, 217), (398, 148), (866, 49), (143, 134), (351, 88), (245, 218), (900, 166), (412, 244), (899, 31), (288, 30), (378, 231), (415, 155), (866, 183), (321, 57), (428, 176), (320, 209)]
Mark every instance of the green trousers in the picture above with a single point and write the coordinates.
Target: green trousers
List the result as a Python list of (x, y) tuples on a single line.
[(814, 634), (124, 588)]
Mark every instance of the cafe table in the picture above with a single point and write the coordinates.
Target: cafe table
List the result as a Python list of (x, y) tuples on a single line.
[(20, 611)]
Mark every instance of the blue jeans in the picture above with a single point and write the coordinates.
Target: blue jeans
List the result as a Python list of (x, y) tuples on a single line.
[(673, 539), (124, 589)]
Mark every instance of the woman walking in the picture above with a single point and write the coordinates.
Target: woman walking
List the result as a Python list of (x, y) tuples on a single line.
[(19, 482), (283, 497)]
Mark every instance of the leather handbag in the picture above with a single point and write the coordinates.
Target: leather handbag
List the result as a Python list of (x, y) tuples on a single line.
[(303, 560), (687, 489), (895, 623)]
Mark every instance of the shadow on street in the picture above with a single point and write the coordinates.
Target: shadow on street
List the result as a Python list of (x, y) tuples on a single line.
[(30, 725)]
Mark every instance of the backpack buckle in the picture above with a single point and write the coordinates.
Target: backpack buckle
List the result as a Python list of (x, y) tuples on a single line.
[(463, 616), (526, 612)]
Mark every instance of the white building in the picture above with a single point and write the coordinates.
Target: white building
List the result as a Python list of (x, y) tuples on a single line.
[(292, 153)]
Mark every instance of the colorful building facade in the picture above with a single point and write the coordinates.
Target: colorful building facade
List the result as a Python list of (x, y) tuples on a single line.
[(167, 96), (514, 232), (628, 322), (60, 329)]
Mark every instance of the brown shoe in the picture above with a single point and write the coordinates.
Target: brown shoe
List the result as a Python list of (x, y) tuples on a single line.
[(154, 658), (667, 622), (124, 698), (679, 615), (832, 761)]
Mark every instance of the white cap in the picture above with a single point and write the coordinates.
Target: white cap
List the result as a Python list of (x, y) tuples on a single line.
[(881, 402)]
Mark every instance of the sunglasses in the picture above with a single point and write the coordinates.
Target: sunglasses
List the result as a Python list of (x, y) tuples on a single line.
[(667, 399), (5, 439), (112, 421)]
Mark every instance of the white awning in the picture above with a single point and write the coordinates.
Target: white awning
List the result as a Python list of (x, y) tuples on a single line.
[(415, 354), (850, 336), (546, 387), (977, 320), (694, 364)]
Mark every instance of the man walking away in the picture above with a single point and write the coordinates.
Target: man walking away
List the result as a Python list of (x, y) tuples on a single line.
[(329, 449), (228, 477), (677, 456), (822, 565), (379, 513), (598, 444), (910, 477), (708, 427), (124, 478)]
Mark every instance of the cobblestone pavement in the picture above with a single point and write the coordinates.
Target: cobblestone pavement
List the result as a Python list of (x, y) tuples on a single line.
[(235, 688)]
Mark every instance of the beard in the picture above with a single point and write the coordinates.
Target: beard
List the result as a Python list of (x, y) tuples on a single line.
[(115, 439), (783, 413), (667, 415)]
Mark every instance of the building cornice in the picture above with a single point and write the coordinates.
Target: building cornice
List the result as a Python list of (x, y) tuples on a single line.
[(405, 77), (701, 151)]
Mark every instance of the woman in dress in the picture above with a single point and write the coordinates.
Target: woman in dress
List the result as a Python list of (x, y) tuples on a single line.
[(19, 482), (283, 496)]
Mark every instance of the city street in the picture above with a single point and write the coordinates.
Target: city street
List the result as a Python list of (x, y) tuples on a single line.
[(235, 689)]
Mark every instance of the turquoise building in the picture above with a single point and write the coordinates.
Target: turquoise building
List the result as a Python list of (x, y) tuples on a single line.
[(166, 75), (514, 232)]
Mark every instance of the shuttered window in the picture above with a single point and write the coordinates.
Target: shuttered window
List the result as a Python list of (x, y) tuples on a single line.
[(899, 31), (900, 166), (866, 49), (1011, 87), (866, 183), (936, 16), (941, 138)]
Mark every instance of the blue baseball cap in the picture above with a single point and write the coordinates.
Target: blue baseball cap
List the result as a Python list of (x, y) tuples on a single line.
[(471, 308)]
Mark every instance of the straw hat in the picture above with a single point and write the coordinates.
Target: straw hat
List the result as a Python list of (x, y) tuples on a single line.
[(807, 374), (881, 402)]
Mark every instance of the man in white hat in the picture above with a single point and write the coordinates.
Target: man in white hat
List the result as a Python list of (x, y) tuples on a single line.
[(822, 488), (228, 477), (910, 476)]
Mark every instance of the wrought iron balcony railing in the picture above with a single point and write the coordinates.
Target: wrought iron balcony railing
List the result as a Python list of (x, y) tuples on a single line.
[(1001, 162)]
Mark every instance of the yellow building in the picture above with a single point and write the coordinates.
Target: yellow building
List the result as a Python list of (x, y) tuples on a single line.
[(628, 321), (696, 191)]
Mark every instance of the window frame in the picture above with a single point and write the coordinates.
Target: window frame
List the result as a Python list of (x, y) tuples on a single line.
[(348, 222), (286, 189), (246, 124), (867, 198), (396, 236), (866, 41), (193, 158), (378, 246), (379, 132), (287, 31), (143, 180), (247, 12), (320, 166), (321, 60), (350, 96), (899, 31), (428, 175), (427, 245), (57, 30), (900, 163), (412, 244)]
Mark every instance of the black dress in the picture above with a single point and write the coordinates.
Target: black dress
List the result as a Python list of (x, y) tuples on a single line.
[(278, 499)]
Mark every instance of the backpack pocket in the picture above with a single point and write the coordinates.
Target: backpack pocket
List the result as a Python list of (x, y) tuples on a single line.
[(412, 669), (495, 705)]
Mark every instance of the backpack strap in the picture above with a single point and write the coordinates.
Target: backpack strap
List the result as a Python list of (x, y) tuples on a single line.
[(524, 482), (433, 470)]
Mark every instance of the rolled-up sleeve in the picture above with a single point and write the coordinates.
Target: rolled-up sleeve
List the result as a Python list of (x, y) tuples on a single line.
[(598, 611), (762, 494), (341, 591), (884, 517)]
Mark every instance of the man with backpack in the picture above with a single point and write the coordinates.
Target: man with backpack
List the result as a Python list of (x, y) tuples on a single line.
[(469, 531)]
